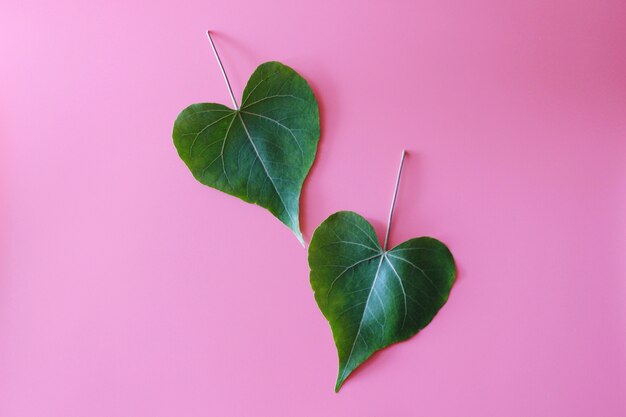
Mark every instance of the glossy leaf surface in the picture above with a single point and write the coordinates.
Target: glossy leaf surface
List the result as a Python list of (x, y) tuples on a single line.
[(374, 298), (260, 153)]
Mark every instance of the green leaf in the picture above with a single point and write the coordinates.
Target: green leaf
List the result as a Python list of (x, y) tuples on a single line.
[(374, 298), (260, 153)]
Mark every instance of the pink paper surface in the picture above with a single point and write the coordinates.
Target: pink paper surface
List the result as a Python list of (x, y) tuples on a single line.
[(129, 289)]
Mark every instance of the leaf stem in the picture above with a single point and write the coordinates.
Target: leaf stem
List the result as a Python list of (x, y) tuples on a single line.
[(219, 62), (393, 201)]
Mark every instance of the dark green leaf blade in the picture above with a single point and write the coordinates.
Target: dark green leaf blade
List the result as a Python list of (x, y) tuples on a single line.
[(370, 297), (260, 153)]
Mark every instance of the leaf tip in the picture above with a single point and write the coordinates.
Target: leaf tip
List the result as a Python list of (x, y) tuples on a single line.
[(296, 231), (341, 378), (337, 387)]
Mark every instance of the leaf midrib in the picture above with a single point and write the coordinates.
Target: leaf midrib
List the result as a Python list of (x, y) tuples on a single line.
[(358, 333), (383, 257), (265, 168)]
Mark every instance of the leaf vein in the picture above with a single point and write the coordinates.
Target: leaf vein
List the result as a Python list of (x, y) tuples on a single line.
[(419, 269)]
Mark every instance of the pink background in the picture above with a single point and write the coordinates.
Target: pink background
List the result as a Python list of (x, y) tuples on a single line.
[(129, 289)]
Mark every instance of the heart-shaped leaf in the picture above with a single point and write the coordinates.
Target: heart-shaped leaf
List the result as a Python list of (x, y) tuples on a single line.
[(261, 152), (373, 298)]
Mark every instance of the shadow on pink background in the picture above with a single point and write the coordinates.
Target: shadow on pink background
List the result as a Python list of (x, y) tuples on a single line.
[(129, 289)]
